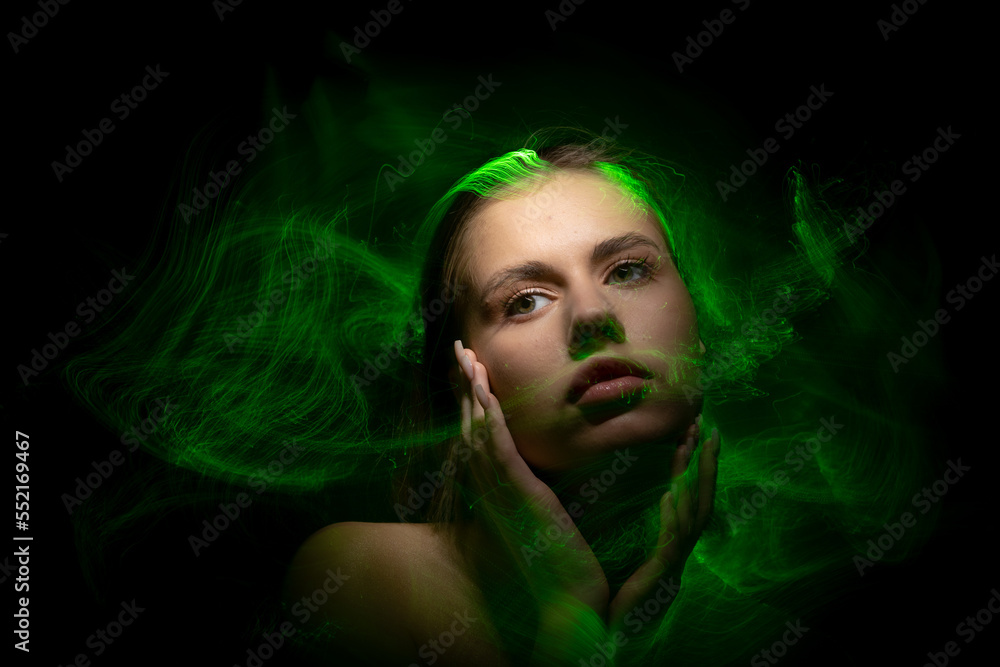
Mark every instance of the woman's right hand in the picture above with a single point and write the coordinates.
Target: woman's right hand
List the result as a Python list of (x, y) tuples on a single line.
[(522, 508)]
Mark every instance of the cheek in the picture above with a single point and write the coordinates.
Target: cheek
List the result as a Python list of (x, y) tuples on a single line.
[(667, 320), (516, 365)]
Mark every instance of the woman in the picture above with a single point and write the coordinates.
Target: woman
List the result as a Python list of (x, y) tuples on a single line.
[(536, 369), (581, 335)]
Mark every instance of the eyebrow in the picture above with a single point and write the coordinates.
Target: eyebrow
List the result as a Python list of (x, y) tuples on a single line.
[(535, 270)]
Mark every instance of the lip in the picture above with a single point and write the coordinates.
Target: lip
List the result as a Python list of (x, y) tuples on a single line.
[(605, 378)]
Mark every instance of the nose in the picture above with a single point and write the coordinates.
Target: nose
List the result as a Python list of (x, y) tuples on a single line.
[(594, 325)]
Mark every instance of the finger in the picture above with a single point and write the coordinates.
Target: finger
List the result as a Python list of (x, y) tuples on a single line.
[(681, 484), (685, 521), (668, 551), (637, 588), (466, 398), (462, 355), (467, 422), (682, 455), (477, 429), (493, 436), (708, 475), (479, 378), (697, 451), (501, 443), (465, 368), (517, 484), (512, 469)]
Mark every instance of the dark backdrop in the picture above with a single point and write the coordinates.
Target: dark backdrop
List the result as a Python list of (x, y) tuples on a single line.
[(64, 238)]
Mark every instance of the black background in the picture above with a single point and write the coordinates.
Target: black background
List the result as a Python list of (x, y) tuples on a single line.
[(64, 238)]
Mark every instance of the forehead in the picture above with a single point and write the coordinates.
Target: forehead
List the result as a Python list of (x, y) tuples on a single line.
[(565, 216)]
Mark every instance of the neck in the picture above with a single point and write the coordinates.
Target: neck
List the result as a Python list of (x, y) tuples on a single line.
[(614, 501)]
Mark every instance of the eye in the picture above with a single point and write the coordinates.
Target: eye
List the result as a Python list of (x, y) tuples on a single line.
[(524, 303), (636, 268), (630, 271)]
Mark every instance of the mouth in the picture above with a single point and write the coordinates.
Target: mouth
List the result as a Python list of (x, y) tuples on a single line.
[(608, 379)]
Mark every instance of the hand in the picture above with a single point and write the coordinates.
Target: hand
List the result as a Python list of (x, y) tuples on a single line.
[(520, 506), (684, 512)]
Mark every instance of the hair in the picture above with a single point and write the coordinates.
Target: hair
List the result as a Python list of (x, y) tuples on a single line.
[(280, 324)]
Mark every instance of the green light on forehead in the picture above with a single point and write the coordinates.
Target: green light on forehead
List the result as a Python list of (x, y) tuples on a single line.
[(517, 173), (638, 194), (506, 171)]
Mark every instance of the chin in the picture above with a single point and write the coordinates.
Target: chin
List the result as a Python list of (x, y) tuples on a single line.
[(600, 432)]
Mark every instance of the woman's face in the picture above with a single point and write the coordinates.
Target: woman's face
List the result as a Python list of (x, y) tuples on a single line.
[(561, 279)]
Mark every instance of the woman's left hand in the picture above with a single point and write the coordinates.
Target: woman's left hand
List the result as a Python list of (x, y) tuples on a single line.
[(684, 512)]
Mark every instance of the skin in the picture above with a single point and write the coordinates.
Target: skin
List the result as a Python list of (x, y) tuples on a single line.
[(571, 587), (528, 345), (408, 579), (529, 351)]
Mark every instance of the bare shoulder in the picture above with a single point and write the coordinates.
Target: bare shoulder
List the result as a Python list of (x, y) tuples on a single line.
[(344, 581), (387, 593)]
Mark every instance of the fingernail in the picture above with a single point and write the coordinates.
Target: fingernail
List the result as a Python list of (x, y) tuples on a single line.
[(481, 393), (466, 363)]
